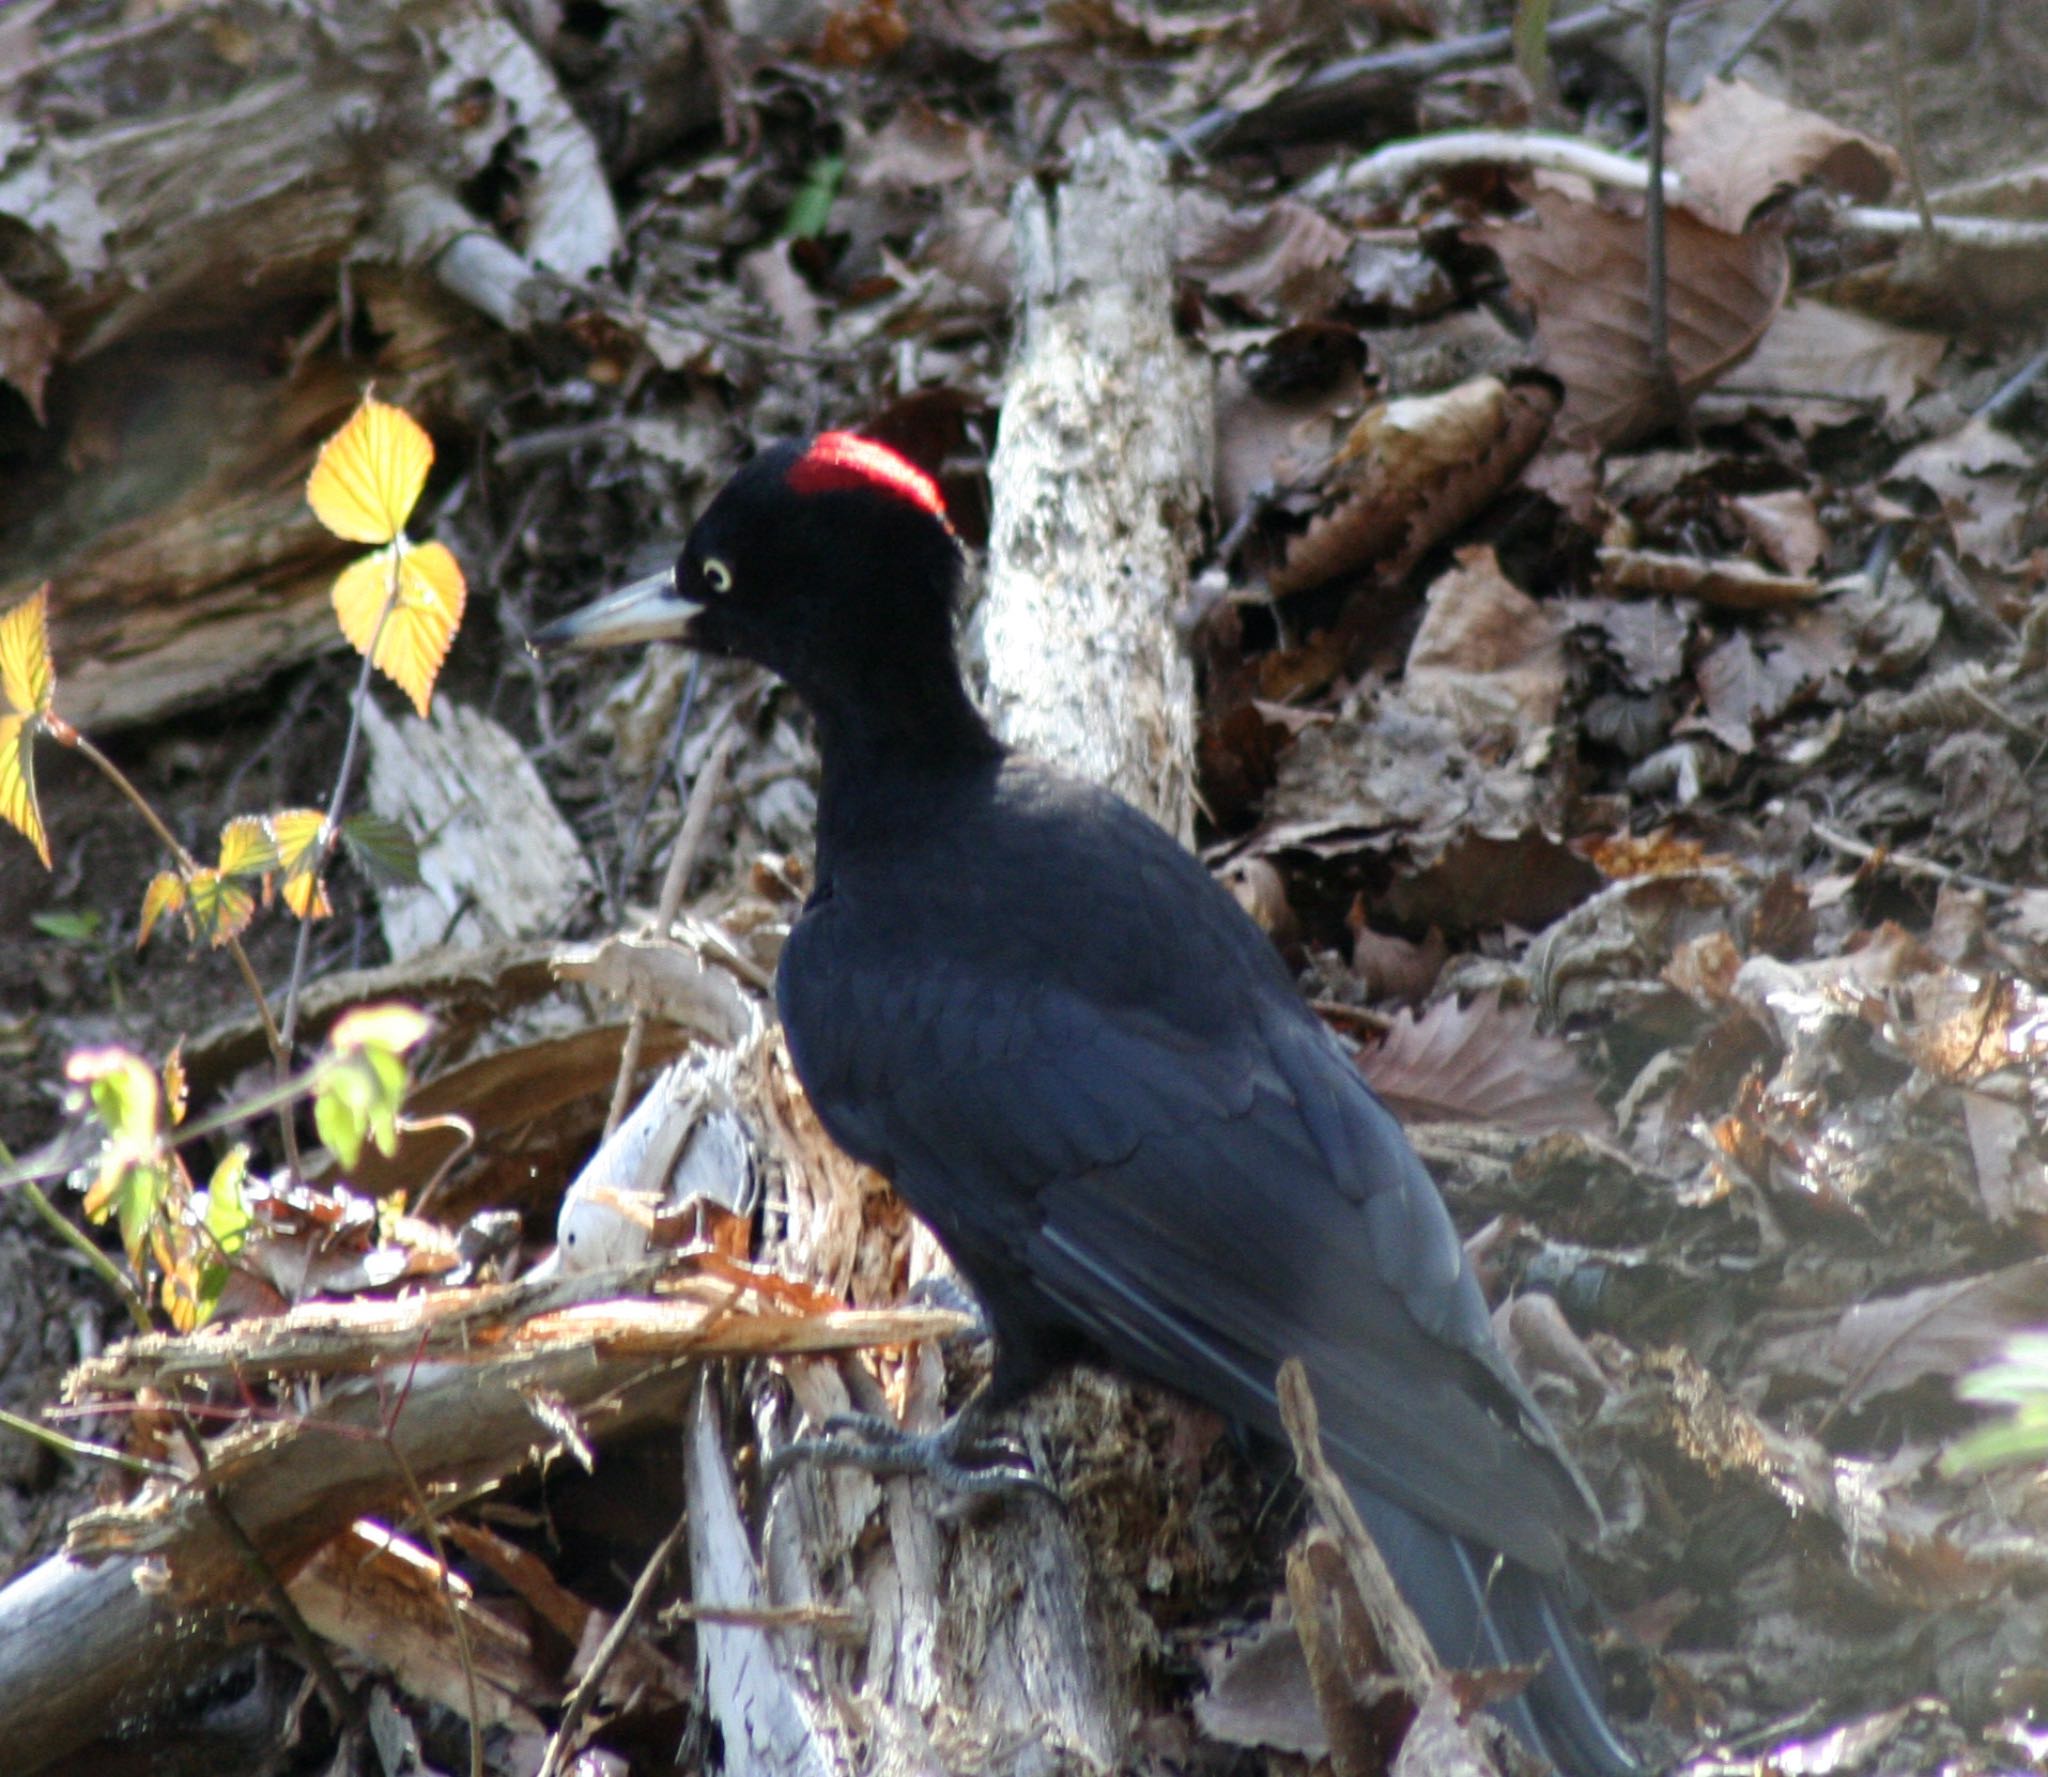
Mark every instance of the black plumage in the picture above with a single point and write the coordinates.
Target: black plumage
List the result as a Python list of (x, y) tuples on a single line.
[(1089, 1072)]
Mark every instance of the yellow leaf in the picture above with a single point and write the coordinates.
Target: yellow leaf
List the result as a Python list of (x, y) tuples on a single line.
[(18, 784), (221, 907), (26, 685), (176, 1089), (297, 832), (415, 637), (246, 848), (306, 895), (165, 894), (369, 474)]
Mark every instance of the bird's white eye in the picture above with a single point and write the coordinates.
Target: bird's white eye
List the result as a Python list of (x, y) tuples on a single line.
[(717, 575)]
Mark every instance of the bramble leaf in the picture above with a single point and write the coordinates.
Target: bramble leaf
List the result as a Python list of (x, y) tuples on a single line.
[(426, 612), (382, 848), (246, 847), (165, 894), (297, 832), (362, 1084), (132, 1177), (227, 1216), (219, 906), (177, 1089), (26, 687), (79, 927), (369, 474)]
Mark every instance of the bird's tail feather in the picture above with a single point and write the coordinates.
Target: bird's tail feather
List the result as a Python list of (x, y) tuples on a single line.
[(1481, 1610)]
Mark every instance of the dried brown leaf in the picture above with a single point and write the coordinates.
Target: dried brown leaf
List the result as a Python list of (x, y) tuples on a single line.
[(1940, 1332), (1735, 148), (1393, 969), (920, 150), (1480, 881), (1824, 361), (1746, 682), (1259, 1692), (2012, 1176), (1280, 259), (1270, 438), (1727, 585), (1785, 526), (1582, 267), (1413, 471), (1978, 474), (29, 339), (1487, 656), (1483, 1063)]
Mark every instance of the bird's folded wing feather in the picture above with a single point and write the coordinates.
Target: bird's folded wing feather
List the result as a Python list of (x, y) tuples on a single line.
[(1203, 1210)]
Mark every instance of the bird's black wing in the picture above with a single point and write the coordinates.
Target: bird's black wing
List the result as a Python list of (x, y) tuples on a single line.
[(1151, 1141)]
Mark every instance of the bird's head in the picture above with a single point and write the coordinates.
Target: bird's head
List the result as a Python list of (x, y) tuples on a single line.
[(829, 562)]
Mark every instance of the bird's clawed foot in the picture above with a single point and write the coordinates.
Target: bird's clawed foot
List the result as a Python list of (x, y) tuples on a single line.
[(960, 1456)]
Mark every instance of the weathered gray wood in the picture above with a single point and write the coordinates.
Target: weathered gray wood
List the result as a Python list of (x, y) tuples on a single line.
[(1103, 465), (184, 563), (497, 860)]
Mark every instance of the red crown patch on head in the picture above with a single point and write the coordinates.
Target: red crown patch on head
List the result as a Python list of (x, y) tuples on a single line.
[(839, 461)]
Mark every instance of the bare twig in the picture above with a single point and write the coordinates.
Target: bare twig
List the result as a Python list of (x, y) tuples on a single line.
[(1907, 864), (1656, 254), (1331, 98), (1401, 1638), (563, 1743), (1388, 172), (1909, 136), (1990, 233), (703, 797), (341, 1701), (1738, 51)]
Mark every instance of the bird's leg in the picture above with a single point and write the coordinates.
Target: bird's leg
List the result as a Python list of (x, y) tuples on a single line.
[(962, 1455)]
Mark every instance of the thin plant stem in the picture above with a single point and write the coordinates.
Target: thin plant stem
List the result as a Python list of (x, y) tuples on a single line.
[(561, 1745), (330, 831), (75, 1237), (188, 865), (341, 1702), (213, 1123), (52, 1439), (1909, 135), (431, 1529), (1657, 247)]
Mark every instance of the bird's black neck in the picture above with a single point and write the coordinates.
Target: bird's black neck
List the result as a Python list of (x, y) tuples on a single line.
[(889, 763)]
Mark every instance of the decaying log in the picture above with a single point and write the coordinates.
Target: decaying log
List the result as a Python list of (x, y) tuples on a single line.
[(458, 1393), (497, 860), (1099, 482), (980, 1648), (175, 245)]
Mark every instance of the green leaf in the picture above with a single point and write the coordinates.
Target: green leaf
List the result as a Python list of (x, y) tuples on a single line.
[(227, 1205), (137, 1199), (2018, 1380), (122, 1089), (812, 205), (73, 928), (383, 850), (340, 1115)]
